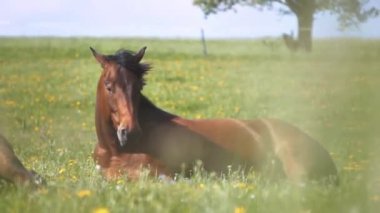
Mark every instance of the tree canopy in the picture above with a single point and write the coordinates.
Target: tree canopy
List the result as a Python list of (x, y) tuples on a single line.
[(349, 12)]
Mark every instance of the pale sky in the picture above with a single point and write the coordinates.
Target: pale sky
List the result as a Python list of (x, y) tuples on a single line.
[(156, 18)]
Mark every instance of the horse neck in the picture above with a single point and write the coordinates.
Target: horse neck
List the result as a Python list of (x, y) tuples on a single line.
[(150, 114)]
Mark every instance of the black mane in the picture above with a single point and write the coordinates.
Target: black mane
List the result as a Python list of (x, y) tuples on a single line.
[(127, 59)]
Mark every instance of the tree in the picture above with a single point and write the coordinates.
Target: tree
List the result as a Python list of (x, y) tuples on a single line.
[(349, 12)]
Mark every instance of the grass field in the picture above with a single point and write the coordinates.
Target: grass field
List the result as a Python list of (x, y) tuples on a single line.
[(47, 96)]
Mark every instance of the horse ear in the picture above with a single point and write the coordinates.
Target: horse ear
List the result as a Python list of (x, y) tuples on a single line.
[(99, 57), (140, 54)]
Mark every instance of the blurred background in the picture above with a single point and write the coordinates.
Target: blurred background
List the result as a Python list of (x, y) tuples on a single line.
[(313, 63), (165, 19)]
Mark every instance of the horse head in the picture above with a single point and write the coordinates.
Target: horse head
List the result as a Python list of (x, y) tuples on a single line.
[(120, 88)]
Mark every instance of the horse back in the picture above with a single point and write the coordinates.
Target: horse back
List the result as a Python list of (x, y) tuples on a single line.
[(178, 145), (257, 141)]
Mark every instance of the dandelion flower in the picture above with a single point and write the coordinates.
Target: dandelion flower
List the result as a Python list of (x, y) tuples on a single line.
[(240, 185), (61, 171), (120, 181), (84, 193), (240, 210), (72, 162), (101, 210)]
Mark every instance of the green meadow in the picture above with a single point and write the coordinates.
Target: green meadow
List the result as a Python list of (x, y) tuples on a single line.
[(47, 101)]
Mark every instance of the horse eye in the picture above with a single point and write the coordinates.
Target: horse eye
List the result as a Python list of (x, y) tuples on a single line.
[(108, 86)]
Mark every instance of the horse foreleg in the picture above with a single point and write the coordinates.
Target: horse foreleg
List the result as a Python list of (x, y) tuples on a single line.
[(134, 166), (102, 156)]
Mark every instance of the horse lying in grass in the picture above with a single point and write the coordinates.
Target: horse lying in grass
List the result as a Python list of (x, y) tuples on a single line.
[(133, 133), (12, 170)]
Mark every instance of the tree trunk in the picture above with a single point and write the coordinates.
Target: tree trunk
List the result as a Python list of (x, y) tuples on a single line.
[(305, 27)]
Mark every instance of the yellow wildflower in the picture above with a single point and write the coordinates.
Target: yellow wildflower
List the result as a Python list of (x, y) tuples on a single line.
[(194, 88), (61, 171), (240, 210), (202, 186), (101, 210), (353, 166), (84, 193), (240, 185), (72, 162), (120, 181)]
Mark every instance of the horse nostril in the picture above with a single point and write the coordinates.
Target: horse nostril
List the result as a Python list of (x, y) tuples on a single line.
[(122, 135), (124, 132)]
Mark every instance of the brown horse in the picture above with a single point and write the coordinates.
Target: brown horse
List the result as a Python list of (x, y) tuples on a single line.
[(133, 132), (12, 170)]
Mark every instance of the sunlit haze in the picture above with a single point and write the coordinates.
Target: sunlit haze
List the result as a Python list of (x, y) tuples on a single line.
[(151, 18)]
